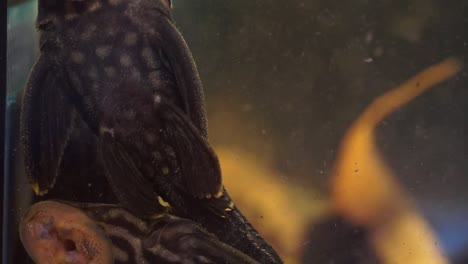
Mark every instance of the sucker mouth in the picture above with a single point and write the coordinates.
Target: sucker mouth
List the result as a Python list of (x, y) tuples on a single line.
[(52, 232)]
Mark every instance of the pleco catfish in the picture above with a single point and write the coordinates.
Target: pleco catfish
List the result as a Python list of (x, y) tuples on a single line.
[(124, 69), (63, 232)]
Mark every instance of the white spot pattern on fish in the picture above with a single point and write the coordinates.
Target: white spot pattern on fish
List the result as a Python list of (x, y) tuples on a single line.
[(130, 39), (95, 6), (148, 57), (88, 32), (110, 72), (125, 60), (103, 51)]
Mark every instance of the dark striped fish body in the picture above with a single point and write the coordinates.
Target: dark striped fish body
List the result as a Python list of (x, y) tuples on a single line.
[(122, 68), (61, 232)]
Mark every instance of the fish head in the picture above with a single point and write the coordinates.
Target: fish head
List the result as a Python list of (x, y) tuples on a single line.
[(48, 10), (53, 232), (55, 15)]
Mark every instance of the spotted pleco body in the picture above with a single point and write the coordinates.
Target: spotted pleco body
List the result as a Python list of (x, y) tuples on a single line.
[(124, 69), (116, 68)]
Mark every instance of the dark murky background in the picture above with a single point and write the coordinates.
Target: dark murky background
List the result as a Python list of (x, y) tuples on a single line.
[(299, 72), (302, 71), (285, 79)]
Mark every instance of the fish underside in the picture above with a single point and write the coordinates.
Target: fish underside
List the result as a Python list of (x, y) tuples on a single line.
[(120, 71), (65, 232)]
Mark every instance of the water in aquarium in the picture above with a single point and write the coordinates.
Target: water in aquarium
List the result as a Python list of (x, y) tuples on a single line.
[(248, 131)]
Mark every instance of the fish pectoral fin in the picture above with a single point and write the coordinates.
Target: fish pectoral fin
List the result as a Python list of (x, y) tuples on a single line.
[(47, 120), (189, 241), (132, 189), (185, 73), (220, 206), (196, 159)]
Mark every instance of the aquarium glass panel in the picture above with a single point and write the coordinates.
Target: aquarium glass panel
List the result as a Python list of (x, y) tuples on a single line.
[(247, 131)]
